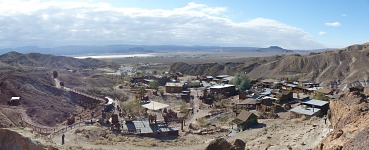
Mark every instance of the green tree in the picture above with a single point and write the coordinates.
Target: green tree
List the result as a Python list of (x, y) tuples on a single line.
[(293, 78), (133, 107), (278, 96), (139, 74), (141, 92), (55, 74), (154, 84), (202, 122), (320, 96), (241, 81)]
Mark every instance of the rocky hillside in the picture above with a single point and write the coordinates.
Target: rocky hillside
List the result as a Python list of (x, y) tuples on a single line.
[(349, 117), (346, 65), (49, 61), (12, 140), (42, 102)]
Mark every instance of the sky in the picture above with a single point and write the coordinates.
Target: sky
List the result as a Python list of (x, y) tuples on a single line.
[(291, 24)]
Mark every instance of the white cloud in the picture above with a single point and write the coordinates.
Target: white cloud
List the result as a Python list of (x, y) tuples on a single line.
[(49, 24), (322, 33), (344, 15), (333, 24)]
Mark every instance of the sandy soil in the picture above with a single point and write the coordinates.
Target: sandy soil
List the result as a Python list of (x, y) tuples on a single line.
[(271, 133), (281, 133)]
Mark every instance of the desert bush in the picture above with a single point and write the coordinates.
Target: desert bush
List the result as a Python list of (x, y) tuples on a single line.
[(202, 122), (303, 118), (183, 109), (133, 107), (223, 120)]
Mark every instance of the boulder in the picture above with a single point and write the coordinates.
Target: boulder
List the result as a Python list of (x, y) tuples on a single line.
[(337, 134), (194, 126), (238, 145), (219, 144)]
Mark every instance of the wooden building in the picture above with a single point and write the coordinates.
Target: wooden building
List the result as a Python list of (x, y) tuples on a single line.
[(248, 104), (14, 101), (226, 89), (171, 87), (358, 88), (309, 108), (245, 119), (285, 97)]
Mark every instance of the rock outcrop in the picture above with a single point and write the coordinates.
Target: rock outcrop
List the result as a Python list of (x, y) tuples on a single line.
[(223, 144), (349, 118), (238, 145)]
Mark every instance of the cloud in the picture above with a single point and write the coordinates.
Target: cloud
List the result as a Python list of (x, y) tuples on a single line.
[(55, 23), (333, 24), (322, 33), (344, 15)]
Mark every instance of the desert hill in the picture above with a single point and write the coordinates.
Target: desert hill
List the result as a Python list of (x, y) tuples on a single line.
[(42, 102), (29, 76), (345, 65), (16, 59)]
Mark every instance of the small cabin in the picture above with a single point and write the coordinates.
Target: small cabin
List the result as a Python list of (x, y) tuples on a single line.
[(171, 87), (310, 107), (245, 120), (14, 101)]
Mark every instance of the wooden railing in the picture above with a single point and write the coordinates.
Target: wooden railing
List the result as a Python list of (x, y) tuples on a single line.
[(65, 129)]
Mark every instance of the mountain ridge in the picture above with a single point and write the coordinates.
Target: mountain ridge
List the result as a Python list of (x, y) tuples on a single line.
[(16, 59), (345, 65)]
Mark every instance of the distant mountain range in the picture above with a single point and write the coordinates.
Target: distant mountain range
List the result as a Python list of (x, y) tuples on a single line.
[(81, 50)]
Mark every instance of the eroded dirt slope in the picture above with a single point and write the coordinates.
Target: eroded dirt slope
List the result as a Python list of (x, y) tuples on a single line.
[(350, 119)]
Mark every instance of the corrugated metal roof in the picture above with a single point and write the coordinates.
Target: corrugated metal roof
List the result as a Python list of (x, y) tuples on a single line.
[(15, 98), (291, 85), (249, 101), (315, 102), (221, 86), (145, 127), (305, 111), (174, 84)]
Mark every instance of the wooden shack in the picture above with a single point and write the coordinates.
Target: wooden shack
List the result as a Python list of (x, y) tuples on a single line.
[(286, 96), (248, 104), (172, 87), (226, 89), (358, 88), (310, 107), (14, 101), (245, 119)]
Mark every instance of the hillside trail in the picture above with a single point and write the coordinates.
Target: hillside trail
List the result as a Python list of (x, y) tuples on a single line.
[(23, 112), (57, 85)]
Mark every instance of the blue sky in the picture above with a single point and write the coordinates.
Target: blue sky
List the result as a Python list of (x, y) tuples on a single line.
[(304, 24)]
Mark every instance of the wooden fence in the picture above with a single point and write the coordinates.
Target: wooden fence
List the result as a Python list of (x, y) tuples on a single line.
[(66, 128), (49, 133)]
